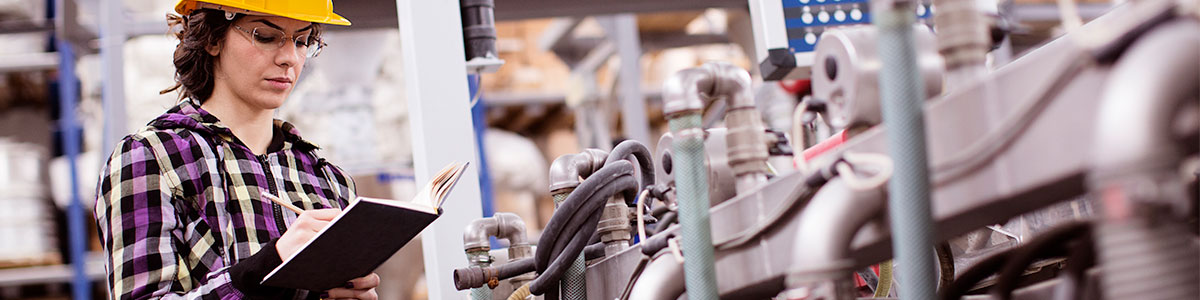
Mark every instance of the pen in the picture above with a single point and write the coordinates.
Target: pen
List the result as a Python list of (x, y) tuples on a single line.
[(285, 204)]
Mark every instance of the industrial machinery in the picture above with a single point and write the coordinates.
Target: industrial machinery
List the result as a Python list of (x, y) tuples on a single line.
[(1109, 112)]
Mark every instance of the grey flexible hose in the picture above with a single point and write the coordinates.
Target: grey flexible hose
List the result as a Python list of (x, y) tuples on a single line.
[(691, 180), (573, 282), (902, 95)]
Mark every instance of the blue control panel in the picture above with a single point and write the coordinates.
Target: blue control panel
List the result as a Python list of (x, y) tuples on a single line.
[(806, 19)]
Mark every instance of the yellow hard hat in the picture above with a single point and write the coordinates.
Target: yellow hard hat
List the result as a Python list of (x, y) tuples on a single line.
[(316, 11)]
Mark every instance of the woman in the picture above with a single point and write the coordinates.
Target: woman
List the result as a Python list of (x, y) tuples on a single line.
[(181, 208)]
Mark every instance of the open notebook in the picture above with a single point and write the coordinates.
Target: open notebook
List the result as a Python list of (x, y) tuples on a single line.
[(363, 236)]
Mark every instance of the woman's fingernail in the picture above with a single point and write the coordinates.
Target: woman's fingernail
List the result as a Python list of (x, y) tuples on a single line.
[(349, 284)]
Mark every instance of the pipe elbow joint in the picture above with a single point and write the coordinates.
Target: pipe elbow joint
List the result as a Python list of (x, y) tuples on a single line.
[(566, 170), (830, 221), (510, 226), (733, 82), (683, 92), (477, 233)]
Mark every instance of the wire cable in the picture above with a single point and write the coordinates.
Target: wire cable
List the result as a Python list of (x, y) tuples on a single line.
[(798, 132), (641, 223), (846, 169), (478, 89)]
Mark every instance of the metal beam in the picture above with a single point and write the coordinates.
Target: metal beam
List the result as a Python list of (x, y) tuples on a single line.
[(28, 62), (529, 9), (622, 29), (435, 83), (112, 65), (557, 33), (503, 99)]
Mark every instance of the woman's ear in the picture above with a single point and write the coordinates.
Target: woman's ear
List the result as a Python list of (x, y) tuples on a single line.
[(214, 49)]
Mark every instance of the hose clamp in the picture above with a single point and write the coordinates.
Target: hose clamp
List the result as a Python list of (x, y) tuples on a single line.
[(689, 133)]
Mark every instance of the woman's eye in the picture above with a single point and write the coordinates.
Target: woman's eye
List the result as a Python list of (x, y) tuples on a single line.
[(265, 38)]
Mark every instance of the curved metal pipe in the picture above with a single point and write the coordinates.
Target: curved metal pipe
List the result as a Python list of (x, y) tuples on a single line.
[(566, 170), (745, 143), (686, 91), (661, 280), (1147, 87), (1145, 250), (501, 225), (827, 227), (689, 90)]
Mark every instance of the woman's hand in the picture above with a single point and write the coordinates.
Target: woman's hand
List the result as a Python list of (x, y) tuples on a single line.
[(362, 288), (305, 228)]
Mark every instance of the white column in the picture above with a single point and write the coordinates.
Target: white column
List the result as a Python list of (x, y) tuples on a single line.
[(435, 82), (112, 65)]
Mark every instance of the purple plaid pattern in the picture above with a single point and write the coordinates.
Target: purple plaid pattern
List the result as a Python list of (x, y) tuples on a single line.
[(180, 202)]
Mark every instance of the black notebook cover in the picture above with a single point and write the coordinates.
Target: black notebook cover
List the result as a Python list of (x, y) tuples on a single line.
[(366, 234)]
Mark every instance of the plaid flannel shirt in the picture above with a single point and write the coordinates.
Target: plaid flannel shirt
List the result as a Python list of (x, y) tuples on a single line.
[(181, 214)]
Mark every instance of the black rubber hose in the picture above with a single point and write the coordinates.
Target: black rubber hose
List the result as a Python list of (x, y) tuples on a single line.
[(656, 243), (590, 215), (594, 239), (1011, 264), (576, 219), (974, 275), (556, 226), (473, 277), (593, 251), (1053, 243), (577, 230), (658, 212), (1082, 258), (663, 223), (563, 253), (641, 156)]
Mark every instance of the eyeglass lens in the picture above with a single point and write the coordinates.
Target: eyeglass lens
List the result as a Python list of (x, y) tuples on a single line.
[(271, 39)]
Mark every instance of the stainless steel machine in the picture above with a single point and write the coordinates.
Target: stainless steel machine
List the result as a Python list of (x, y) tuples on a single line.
[(1109, 112)]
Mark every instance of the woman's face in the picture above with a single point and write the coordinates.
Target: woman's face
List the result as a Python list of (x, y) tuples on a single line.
[(253, 68)]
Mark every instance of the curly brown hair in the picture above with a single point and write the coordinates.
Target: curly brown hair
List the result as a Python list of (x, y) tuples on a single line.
[(193, 64)]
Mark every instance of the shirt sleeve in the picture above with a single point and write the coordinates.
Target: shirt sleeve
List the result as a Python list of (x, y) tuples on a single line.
[(141, 230)]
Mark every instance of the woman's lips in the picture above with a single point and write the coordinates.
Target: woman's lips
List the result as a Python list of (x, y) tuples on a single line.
[(280, 83)]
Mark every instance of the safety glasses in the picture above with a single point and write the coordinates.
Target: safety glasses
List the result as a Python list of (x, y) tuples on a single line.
[(271, 39)]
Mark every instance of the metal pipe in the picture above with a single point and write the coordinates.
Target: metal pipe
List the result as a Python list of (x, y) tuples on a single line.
[(502, 225), (1145, 249), (566, 170), (683, 106), (826, 227), (902, 96), (614, 228), (661, 280), (474, 277), (476, 242), (745, 143), (963, 40), (481, 259), (68, 94), (1147, 89)]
